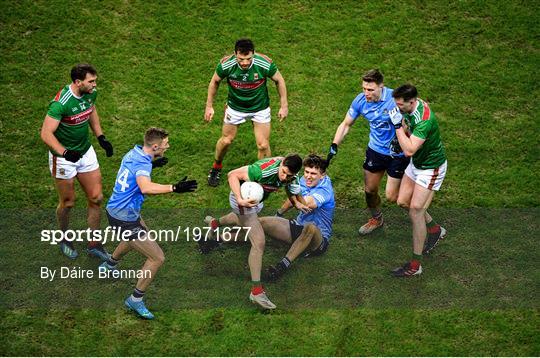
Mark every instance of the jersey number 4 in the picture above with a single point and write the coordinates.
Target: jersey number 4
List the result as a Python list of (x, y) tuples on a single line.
[(122, 180)]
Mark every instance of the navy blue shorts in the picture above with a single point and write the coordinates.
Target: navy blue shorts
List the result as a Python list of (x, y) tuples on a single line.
[(134, 227), (296, 230), (377, 162)]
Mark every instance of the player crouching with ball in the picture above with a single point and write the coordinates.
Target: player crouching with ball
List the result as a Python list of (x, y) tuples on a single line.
[(271, 173)]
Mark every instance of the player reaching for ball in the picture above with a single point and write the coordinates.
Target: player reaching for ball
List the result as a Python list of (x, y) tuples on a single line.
[(271, 173)]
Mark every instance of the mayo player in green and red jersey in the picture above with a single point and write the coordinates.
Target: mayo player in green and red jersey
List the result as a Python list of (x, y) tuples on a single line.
[(272, 174), (246, 72), (65, 131), (425, 172)]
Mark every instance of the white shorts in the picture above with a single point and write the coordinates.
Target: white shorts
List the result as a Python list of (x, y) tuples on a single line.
[(64, 169), (428, 178), (242, 210), (235, 117)]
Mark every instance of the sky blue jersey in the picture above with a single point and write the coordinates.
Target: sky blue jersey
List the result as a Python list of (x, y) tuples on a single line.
[(382, 130), (126, 200), (323, 215)]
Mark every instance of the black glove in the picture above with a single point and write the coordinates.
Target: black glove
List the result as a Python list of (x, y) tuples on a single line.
[(184, 186), (72, 155), (279, 214), (331, 153), (159, 162), (105, 144)]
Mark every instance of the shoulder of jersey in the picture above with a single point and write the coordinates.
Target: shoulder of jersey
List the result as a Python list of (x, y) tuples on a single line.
[(228, 61), (262, 60), (63, 95)]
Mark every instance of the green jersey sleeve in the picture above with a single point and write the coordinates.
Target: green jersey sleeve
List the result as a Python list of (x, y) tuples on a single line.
[(422, 129), (55, 110), (294, 187), (272, 70), (255, 173)]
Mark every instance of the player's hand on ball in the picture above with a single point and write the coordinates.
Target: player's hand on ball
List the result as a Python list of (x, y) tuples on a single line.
[(159, 162), (72, 155), (208, 114), (105, 144), (396, 117), (184, 186), (247, 203)]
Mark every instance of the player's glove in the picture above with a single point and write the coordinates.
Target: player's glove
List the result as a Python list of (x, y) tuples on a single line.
[(159, 162), (72, 155), (184, 186), (105, 144), (396, 117), (331, 153), (279, 213)]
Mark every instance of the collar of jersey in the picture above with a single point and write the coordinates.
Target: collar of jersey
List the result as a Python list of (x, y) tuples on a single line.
[(138, 149)]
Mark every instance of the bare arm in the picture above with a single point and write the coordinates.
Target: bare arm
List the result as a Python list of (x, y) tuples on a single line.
[(282, 91), (234, 177), (47, 134), (94, 123), (409, 145), (343, 129), (148, 187), (212, 91), (299, 202)]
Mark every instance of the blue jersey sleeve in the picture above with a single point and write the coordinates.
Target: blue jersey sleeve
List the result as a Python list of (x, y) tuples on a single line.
[(321, 196), (143, 169), (356, 107)]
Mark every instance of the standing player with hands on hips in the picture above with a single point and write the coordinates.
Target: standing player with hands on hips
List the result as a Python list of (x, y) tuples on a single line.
[(65, 131), (424, 174), (246, 73), (132, 184)]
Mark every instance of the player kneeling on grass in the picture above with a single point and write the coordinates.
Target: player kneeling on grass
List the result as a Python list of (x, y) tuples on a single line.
[(271, 173), (123, 210), (425, 172), (310, 232)]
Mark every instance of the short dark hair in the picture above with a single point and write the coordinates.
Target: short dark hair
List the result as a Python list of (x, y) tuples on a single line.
[(293, 162), (316, 161), (79, 71), (373, 75), (244, 46), (407, 92), (154, 135)]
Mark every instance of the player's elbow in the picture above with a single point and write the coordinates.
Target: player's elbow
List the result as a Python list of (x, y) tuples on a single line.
[(408, 152)]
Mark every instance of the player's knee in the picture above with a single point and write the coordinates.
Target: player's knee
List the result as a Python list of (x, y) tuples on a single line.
[(226, 140), (308, 232), (95, 199), (67, 203), (415, 211), (258, 245), (402, 202), (263, 146), (160, 259), (391, 196)]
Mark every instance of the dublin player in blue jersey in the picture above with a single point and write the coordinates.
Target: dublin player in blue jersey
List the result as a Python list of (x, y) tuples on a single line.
[(383, 153), (310, 232), (133, 182)]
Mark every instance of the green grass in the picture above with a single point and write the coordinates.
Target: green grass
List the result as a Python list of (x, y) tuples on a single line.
[(475, 61)]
